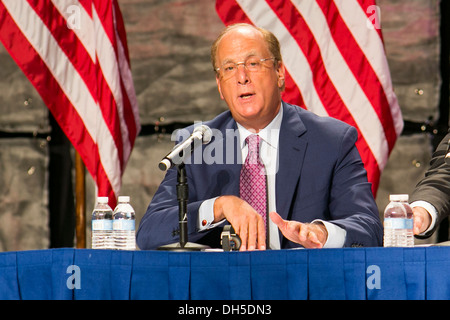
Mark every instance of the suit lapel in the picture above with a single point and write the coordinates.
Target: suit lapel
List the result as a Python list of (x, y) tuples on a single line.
[(235, 166), (291, 147), (229, 170)]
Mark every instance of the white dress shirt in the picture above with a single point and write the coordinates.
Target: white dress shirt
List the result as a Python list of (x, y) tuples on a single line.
[(269, 155)]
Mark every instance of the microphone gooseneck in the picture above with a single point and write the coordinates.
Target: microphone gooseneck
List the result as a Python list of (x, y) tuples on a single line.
[(201, 134)]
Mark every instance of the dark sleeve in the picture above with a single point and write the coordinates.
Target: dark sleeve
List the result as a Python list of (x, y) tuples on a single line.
[(434, 188), (160, 224), (352, 205)]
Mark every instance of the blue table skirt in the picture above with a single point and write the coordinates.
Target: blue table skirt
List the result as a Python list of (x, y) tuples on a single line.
[(351, 273)]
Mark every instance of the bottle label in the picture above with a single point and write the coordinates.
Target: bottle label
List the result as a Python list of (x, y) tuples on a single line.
[(102, 225), (123, 224), (398, 223), (409, 223)]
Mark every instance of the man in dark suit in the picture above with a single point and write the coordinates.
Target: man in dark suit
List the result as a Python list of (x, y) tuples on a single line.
[(317, 189), (431, 197)]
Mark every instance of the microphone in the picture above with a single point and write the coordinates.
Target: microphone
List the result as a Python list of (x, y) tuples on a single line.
[(447, 156), (201, 133)]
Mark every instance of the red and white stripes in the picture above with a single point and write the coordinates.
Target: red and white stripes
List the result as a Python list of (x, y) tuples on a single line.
[(75, 54), (336, 66)]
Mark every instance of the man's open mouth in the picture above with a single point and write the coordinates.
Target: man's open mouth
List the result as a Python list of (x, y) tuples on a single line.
[(246, 95)]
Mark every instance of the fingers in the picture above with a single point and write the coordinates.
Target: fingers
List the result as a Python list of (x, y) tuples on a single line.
[(261, 236), (276, 218), (250, 226), (422, 220), (303, 234), (418, 221), (309, 235), (417, 225), (247, 223), (311, 240), (253, 234), (290, 229)]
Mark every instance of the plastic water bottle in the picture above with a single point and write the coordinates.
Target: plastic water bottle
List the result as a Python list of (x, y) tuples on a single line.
[(124, 225), (102, 225), (395, 223), (404, 199)]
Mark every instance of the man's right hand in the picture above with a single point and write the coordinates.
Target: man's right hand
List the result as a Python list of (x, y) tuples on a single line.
[(422, 220), (246, 222)]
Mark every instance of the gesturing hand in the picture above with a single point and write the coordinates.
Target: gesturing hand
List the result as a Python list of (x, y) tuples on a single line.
[(309, 235)]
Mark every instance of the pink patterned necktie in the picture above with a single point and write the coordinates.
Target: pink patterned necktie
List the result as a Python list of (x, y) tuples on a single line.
[(253, 187)]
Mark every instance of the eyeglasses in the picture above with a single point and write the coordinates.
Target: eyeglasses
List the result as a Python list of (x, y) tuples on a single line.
[(252, 64)]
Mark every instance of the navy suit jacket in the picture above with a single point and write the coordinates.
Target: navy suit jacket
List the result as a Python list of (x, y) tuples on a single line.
[(320, 176)]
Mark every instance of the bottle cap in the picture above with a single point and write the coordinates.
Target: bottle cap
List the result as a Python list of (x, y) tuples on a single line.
[(399, 197), (124, 199), (102, 199)]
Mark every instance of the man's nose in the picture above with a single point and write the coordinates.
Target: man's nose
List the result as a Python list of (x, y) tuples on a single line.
[(242, 74)]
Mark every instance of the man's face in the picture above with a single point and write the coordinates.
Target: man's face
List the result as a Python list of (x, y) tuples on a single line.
[(254, 98)]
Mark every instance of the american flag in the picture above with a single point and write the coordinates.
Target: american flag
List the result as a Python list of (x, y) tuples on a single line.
[(336, 65), (75, 54)]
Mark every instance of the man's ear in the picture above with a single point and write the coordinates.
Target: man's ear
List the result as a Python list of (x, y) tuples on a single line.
[(218, 87), (281, 75)]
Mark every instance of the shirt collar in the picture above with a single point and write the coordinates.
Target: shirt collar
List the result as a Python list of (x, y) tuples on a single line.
[(269, 134)]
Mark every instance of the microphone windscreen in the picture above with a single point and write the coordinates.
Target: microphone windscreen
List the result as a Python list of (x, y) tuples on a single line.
[(206, 133)]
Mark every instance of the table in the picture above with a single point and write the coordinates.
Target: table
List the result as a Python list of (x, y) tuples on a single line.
[(349, 273)]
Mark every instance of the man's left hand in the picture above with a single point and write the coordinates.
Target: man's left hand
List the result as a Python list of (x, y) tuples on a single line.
[(309, 235)]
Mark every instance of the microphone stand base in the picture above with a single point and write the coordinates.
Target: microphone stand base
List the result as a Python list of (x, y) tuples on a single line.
[(189, 246)]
